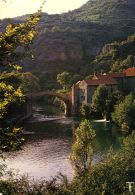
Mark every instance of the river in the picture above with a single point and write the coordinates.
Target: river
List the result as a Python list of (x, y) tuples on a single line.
[(48, 145)]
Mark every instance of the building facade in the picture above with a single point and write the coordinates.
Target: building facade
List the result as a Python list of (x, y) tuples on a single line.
[(83, 91), (130, 80)]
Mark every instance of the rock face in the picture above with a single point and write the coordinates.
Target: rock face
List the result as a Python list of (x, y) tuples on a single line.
[(58, 47), (70, 41), (70, 48)]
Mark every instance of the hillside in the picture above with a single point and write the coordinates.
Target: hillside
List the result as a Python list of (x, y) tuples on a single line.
[(70, 41), (117, 56)]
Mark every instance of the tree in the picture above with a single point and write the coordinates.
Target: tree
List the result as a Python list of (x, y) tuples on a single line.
[(110, 175), (29, 82), (82, 152), (15, 43), (128, 62), (113, 99), (124, 113), (64, 79), (75, 78), (86, 110), (99, 99)]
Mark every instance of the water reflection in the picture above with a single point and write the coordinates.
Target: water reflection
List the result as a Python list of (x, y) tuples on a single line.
[(48, 146)]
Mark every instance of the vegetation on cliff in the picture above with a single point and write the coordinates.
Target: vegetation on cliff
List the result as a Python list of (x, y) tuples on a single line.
[(117, 56)]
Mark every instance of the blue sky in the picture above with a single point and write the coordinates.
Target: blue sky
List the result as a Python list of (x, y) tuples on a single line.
[(13, 8)]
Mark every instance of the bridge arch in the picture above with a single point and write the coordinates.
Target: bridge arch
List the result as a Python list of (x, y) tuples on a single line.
[(66, 98)]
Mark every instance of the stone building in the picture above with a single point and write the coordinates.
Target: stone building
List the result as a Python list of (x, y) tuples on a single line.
[(130, 80), (83, 91)]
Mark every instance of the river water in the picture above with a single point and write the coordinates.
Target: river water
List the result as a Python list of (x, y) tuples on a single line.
[(48, 145)]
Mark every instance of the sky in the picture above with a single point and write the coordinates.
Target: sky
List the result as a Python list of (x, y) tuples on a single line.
[(13, 8)]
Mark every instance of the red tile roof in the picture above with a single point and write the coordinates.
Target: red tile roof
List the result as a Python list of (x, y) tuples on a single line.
[(102, 80), (116, 74), (130, 72), (108, 78), (112, 75)]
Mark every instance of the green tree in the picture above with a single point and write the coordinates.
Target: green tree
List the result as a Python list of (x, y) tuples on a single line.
[(75, 78), (124, 113), (128, 62), (99, 100), (86, 110), (64, 79), (29, 82), (16, 37), (82, 152), (15, 44), (113, 99), (111, 174)]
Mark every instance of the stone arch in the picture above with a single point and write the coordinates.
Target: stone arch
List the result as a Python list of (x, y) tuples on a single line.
[(64, 97)]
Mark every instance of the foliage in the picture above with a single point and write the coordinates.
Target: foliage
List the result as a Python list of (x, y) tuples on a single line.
[(15, 44), (105, 11), (103, 103), (16, 185), (67, 79), (11, 138), (29, 82), (124, 113), (110, 176), (86, 110), (107, 177), (93, 25), (64, 79), (99, 99), (89, 77), (75, 78), (82, 151), (117, 56), (113, 99), (8, 95)]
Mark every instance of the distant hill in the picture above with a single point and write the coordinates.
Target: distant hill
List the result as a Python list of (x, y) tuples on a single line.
[(70, 41)]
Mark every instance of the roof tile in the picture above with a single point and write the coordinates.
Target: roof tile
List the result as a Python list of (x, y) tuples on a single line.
[(130, 72), (102, 80)]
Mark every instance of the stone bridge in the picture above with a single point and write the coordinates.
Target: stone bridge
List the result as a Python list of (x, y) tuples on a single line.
[(66, 98)]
